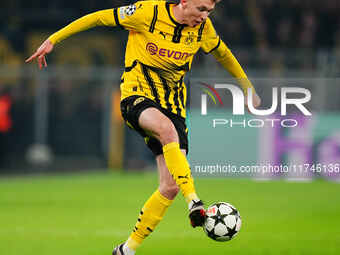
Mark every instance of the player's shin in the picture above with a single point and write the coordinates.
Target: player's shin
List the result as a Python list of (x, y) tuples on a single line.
[(151, 214), (179, 168)]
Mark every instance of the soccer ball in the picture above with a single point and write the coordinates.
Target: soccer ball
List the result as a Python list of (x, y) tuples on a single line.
[(223, 222)]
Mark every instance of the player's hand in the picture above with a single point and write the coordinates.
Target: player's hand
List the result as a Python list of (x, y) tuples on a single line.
[(256, 101), (40, 53)]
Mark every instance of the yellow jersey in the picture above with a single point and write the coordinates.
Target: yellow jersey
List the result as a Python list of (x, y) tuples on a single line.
[(159, 50)]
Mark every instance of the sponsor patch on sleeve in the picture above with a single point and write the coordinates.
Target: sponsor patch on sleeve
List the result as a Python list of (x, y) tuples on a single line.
[(122, 12), (129, 10)]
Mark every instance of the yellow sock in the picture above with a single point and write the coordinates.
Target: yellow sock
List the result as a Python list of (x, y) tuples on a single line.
[(151, 214), (179, 168)]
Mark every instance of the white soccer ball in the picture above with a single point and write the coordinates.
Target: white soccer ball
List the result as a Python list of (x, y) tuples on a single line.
[(223, 222)]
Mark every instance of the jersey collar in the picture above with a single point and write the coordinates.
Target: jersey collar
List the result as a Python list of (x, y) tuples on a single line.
[(171, 15)]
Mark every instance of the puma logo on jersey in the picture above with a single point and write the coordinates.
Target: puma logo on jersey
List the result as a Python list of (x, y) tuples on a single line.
[(161, 33), (183, 177)]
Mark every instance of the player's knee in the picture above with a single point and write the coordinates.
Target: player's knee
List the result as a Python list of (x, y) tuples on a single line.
[(169, 191), (167, 133)]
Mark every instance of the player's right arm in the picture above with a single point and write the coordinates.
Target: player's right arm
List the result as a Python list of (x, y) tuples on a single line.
[(127, 16)]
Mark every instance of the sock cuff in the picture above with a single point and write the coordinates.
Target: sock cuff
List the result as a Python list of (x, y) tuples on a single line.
[(190, 197), (165, 201), (170, 146), (133, 243)]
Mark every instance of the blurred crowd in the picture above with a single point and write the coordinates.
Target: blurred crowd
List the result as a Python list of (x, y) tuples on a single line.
[(282, 34), (284, 24)]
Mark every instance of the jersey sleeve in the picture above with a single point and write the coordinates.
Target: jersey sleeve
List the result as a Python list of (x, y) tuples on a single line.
[(227, 59), (131, 17), (210, 39), (99, 18), (213, 44)]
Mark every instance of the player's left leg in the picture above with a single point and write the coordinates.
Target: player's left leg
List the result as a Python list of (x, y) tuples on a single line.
[(153, 210)]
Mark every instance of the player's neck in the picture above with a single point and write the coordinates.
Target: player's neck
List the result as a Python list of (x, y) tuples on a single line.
[(178, 12)]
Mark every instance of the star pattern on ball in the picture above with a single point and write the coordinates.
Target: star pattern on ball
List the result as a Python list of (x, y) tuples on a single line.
[(235, 212), (231, 231), (211, 234), (219, 218)]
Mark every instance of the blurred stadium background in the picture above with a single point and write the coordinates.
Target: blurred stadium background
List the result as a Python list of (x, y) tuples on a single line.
[(67, 119)]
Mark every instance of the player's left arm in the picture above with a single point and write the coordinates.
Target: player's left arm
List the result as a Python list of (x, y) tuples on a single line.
[(214, 45)]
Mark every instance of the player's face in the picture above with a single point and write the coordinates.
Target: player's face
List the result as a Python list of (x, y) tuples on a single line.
[(196, 11)]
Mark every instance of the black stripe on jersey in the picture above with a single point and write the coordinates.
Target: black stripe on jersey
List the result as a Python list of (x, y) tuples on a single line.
[(129, 68), (154, 19), (167, 91), (184, 67), (115, 15), (177, 33), (167, 6), (179, 27), (181, 95), (200, 32), (176, 97), (150, 82), (218, 45)]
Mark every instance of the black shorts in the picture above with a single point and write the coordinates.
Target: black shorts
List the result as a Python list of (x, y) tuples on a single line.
[(133, 106)]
